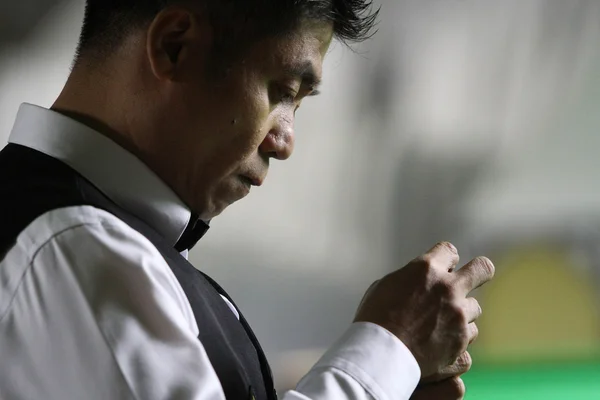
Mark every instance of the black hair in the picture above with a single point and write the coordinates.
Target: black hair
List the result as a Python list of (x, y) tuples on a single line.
[(107, 22)]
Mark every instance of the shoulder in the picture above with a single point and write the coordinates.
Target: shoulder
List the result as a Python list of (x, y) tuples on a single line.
[(90, 247), (77, 223)]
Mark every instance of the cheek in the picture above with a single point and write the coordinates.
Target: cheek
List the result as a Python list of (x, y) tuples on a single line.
[(226, 128), (244, 145), (255, 107), (251, 122)]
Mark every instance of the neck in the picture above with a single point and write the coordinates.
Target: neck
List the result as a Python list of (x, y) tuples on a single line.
[(85, 98)]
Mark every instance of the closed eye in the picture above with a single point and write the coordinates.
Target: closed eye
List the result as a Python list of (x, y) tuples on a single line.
[(287, 95)]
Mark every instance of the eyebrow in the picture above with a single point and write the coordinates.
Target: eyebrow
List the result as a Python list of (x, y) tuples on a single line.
[(305, 71)]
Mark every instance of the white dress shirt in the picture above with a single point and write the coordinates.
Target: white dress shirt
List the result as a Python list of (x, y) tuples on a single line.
[(89, 309)]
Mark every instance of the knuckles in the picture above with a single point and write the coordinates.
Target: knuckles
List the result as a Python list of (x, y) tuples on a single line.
[(464, 362), (441, 286), (474, 333), (457, 388), (448, 246), (458, 316), (477, 306), (458, 330)]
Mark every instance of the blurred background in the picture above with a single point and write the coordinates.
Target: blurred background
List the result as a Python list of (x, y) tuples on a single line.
[(470, 121)]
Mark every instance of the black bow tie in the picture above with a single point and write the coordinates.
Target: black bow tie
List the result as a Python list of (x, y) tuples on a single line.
[(193, 232)]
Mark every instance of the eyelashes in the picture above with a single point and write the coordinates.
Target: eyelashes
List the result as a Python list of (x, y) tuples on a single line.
[(282, 93), (287, 95)]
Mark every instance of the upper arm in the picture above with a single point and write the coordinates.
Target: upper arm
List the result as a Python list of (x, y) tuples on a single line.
[(97, 313)]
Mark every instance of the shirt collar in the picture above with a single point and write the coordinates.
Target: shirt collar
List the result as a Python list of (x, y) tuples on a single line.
[(117, 173)]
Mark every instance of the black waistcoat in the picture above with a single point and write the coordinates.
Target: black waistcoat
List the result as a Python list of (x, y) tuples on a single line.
[(32, 183)]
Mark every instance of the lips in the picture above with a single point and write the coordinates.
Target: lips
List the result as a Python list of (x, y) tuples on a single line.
[(251, 180)]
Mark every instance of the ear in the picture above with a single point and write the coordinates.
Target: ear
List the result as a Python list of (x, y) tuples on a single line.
[(177, 37)]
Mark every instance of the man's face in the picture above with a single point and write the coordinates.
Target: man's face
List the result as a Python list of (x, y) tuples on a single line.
[(214, 137)]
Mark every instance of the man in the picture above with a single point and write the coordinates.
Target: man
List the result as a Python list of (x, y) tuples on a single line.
[(172, 112)]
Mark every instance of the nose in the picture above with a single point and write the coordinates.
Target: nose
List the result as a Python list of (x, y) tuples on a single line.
[(279, 142)]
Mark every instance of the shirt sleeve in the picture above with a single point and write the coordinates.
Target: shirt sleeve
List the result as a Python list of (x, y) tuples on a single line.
[(90, 309), (367, 362), (96, 313)]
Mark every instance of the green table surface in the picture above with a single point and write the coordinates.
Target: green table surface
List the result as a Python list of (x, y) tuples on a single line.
[(544, 381)]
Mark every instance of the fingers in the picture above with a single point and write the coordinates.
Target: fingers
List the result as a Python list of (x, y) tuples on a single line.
[(460, 367), (473, 332), (472, 309), (443, 255), (477, 272), (450, 389)]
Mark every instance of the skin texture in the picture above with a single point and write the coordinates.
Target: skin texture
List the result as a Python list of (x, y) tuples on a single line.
[(209, 131), (209, 137), (426, 305)]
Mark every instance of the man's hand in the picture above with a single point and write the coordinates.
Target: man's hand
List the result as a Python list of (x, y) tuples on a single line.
[(425, 305), (445, 384), (460, 367), (450, 389)]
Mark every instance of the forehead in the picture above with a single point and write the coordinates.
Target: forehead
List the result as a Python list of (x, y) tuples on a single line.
[(301, 50)]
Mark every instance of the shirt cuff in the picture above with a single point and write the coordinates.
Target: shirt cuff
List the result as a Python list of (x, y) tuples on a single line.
[(376, 359)]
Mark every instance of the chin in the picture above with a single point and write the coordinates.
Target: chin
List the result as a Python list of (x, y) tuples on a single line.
[(212, 210), (213, 206), (205, 210), (209, 214)]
